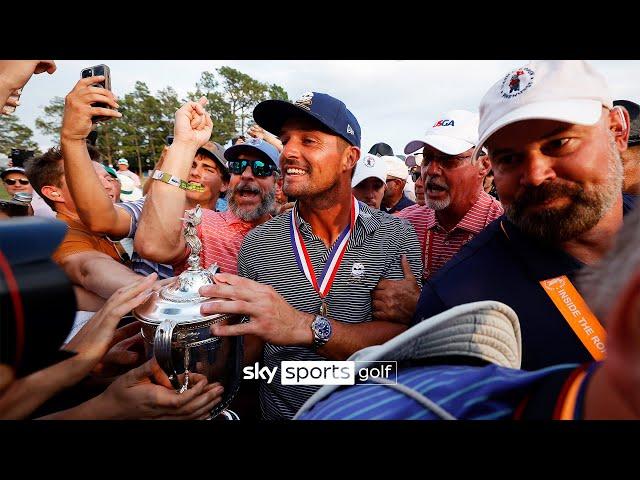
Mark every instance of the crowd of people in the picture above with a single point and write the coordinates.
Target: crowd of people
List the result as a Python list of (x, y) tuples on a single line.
[(328, 250)]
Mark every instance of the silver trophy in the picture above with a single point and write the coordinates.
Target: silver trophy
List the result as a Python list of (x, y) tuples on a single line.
[(179, 336)]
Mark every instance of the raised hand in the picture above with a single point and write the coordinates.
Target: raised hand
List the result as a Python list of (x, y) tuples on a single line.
[(78, 112), (193, 124)]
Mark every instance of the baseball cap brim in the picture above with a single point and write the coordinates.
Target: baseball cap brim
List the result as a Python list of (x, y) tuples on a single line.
[(221, 163), (273, 114), (443, 143), (361, 175), (9, 170), (579, 112), (234, 151)]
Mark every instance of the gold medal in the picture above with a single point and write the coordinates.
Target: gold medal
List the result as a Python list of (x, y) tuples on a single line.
[(323, 309)]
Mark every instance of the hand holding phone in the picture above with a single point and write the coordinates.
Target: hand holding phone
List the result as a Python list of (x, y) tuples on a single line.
[(99, 70)]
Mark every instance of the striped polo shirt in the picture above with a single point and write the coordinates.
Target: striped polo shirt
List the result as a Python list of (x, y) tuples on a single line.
[(373, 253), (437, 245), (138, 264), (221, 234)]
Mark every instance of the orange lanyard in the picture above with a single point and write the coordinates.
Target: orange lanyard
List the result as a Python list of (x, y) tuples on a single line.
[(575, 311), (578, 315)]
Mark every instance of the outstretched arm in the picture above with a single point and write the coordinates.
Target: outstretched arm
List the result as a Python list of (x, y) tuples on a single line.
[(159, 235), (95, 208), (97, 272), (275, 321)]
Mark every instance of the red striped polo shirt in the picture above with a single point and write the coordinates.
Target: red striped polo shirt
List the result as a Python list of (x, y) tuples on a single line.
[(438, 245), (221, 234)]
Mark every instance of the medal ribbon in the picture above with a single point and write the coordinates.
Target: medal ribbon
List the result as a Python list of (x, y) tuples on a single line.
[(323, 284)]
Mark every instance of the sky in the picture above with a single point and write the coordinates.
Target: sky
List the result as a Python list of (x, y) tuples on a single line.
[(395, 101)]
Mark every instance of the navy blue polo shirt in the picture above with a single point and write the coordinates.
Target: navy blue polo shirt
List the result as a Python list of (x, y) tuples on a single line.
[(494, 267), (628, 202), (403, 203)]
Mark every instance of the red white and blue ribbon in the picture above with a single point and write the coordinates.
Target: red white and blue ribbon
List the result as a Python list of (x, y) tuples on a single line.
[(323, 284)]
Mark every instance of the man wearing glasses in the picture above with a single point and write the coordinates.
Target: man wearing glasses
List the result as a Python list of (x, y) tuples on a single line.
[(457, 208), (555, 151), (16, 181), (253, 169)]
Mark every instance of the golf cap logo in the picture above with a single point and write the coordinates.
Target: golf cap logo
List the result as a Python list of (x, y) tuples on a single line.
[(517, 82), (370, 161), (305, 101), (444, 123), (350, 130)]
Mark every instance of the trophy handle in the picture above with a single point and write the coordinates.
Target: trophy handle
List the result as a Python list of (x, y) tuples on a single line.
[(162, 352)]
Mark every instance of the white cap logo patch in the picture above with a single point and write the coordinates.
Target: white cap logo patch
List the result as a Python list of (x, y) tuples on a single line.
[(517, 82), (349, 129), (305, 100), (370, 161)]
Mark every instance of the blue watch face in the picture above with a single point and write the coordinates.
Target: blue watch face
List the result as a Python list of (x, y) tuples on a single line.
[(322, 326)]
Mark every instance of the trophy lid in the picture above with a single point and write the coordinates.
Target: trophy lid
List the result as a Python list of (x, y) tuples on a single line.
[(180, 301)]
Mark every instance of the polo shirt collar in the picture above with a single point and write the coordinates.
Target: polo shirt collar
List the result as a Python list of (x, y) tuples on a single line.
[(366, 220), (478, 209), (231, 218)]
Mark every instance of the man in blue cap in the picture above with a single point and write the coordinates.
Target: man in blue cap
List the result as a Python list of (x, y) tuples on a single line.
[(253, 169), (309, 273)]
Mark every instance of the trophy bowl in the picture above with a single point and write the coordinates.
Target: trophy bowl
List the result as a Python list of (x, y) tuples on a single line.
[(179, 336)]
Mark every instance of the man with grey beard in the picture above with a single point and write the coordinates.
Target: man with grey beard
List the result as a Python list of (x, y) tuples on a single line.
[(554, 139), (457, 208), (253, 168)]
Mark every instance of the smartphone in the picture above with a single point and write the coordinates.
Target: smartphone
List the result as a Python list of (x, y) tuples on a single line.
[(106, 83)]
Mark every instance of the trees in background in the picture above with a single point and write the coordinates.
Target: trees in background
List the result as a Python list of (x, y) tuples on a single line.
[(147, 119)]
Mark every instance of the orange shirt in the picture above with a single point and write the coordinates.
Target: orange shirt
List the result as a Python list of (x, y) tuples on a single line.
[(80, 239)]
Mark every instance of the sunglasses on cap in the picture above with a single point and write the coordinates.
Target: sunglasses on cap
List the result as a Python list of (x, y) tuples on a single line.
[(260, 168), (13, 181)]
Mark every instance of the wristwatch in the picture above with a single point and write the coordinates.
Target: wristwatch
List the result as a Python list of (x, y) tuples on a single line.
[(321, 328)]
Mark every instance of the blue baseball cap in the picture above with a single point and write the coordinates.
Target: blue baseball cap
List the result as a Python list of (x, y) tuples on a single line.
[(253, 146), (329, 111)]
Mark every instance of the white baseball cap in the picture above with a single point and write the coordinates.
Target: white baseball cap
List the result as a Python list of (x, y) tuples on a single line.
[(453, 133), (395, 167), (564, 90), (369, 166), (123, 161)]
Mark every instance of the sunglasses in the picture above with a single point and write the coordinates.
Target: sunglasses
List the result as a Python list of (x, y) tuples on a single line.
[(260, 168), (415, 176), (13, 181)]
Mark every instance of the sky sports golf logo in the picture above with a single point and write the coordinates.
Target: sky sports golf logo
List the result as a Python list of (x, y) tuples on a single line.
[(326, 372)]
